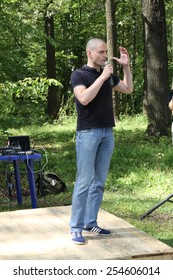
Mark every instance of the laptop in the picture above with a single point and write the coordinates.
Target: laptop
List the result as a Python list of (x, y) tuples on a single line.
[(22, 142)]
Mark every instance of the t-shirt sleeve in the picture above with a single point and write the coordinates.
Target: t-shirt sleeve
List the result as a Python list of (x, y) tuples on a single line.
[(77, 79), (170, 95), (116, 80)]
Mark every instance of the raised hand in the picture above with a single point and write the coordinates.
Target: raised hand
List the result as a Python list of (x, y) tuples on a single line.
[(124, 57)]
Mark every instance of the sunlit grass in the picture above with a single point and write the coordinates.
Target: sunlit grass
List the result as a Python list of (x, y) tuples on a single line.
[(140, 176)]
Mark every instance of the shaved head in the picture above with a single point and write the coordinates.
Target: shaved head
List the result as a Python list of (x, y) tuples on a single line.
[(92, 44)]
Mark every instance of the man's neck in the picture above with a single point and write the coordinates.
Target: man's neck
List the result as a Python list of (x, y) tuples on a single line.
[(94, 66)]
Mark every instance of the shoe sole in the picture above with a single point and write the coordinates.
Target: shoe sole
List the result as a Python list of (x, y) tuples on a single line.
[(96, 233), (78, 243)]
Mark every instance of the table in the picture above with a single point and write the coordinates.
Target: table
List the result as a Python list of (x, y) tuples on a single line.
[(29, 161)]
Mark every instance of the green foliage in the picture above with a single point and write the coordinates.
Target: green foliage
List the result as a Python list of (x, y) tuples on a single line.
[(22, 44), (24, 101)]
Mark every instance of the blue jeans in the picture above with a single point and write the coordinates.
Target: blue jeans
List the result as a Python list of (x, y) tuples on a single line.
[(94, 148)]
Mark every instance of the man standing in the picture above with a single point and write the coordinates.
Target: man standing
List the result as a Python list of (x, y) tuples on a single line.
[(92, 86)]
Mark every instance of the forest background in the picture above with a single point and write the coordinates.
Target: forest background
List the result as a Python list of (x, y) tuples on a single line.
[(41, 43)]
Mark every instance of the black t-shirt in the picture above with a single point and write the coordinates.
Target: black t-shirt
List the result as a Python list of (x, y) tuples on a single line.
[(99, 112), (170, 95)]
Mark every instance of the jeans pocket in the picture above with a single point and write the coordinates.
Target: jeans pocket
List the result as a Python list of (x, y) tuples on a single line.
[(84, 131)]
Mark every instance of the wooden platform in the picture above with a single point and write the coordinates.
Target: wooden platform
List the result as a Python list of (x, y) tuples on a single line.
[(44, 233)]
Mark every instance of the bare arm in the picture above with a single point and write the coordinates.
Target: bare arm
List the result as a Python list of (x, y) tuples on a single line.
[(170, 105), (86, 95), (125, 85)]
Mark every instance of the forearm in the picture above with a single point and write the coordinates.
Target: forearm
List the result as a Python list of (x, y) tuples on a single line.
[(170, 105), (86, 95), (125, 85), (127, 79)]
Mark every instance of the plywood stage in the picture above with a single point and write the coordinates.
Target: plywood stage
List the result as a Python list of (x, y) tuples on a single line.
[(44, 233)]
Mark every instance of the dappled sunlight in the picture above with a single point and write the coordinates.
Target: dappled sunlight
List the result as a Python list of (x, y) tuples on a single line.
[(44, 233), (140, 173)]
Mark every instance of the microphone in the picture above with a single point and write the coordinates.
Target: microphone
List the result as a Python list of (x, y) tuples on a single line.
[(111, 76)]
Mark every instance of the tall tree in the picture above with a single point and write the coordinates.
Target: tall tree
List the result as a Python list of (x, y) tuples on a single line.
[(112, 44), (156, 67), (53, 98), (23, 47)]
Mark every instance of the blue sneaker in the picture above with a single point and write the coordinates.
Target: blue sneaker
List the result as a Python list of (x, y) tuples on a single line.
[(77, 238), (98, 230)]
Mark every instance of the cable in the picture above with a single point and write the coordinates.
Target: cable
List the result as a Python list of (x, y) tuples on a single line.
[(40, 170)]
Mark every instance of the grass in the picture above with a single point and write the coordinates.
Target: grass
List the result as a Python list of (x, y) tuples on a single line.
[(140, 176)]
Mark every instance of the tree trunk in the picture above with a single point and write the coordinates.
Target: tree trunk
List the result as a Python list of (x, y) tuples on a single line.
[(112, 46), (156, 86), (172, 53), (53, 97)]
